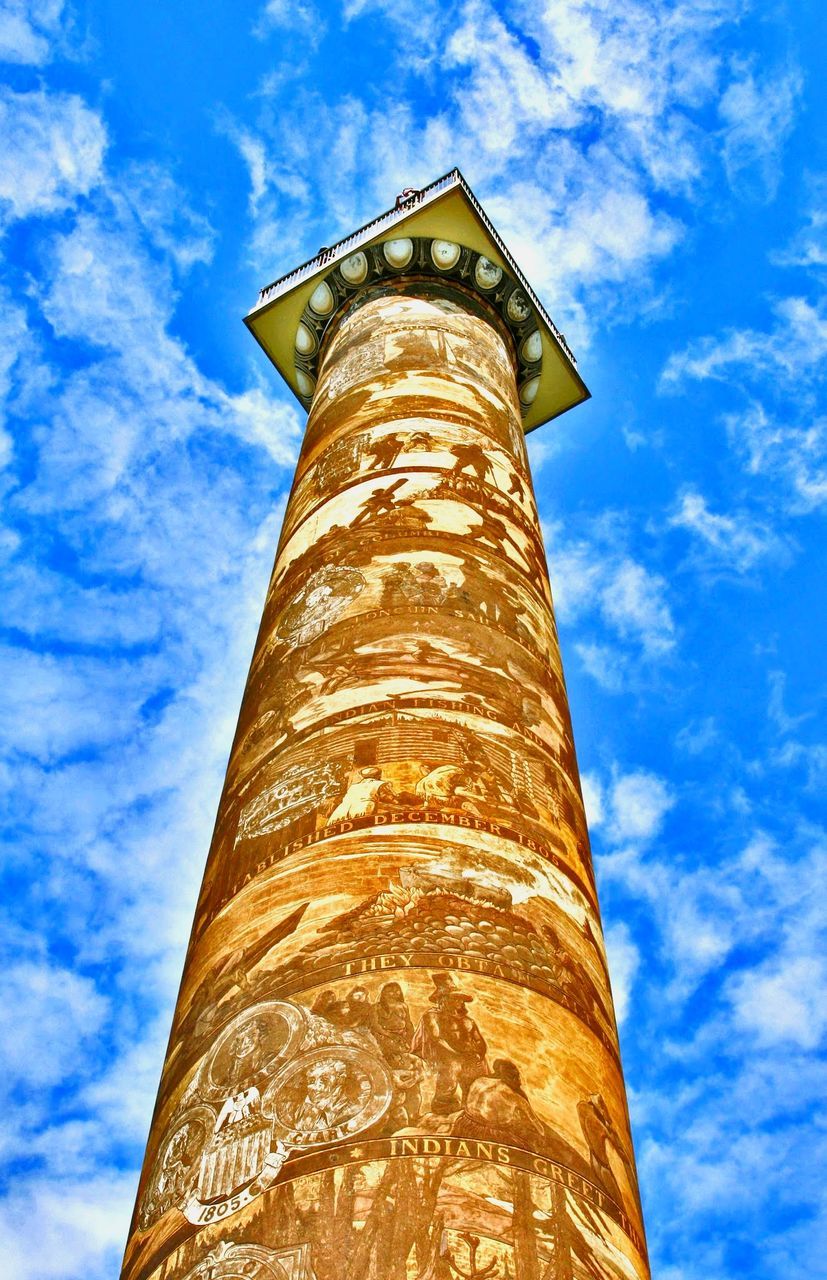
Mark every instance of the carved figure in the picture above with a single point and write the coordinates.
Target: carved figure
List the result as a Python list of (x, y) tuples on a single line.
[(451, 1043), (497, 1109), (327, 1102), (377, 503), (471, 457), (601, 1134), (393, 1031), (362, 796), (384, 450), (447, 781)]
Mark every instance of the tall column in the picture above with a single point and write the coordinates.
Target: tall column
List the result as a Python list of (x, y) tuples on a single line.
[(394, 1054)]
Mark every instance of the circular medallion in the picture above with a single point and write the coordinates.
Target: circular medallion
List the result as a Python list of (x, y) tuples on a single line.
[(305, 340), (254, 1045), (528, 391), (487, 273), (445, 254), (532, 347), (517, 307), (323, 597), (176, 1166), (304, 382), (398, 253), (327, 1095), (321, 299), (354, 269), (228, 1261)]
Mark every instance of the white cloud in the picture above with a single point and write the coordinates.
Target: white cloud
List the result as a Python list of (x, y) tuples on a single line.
[(792, 752), (639, 802), (299, 17), (57, 1229), (593, 800), (808, 247), (624, 963), (506, 91), (698, 736), (102, 287), (123, 1096), (46, 1015), (735, 542), (776, 448), (46, 710), (629, 807), (758, 113), (577, 569), (173, 226), (254, 155), (738, 1123), (27, 30), (783, 1000), (633, 600), (793, 348), (605, 664), (759, 899), (810, 758), (258, 420), (45, 605), (147, 393), (779, 370), (18, 362), (776, 709), (599, 578), (54, 152)]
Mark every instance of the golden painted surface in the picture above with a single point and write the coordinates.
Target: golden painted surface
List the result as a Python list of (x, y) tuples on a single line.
[(394, 1054)]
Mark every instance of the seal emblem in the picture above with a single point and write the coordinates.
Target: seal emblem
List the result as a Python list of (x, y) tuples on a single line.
[(229, 1261), (298, 790), (327, 1095), (177, 1165), (278, 1080), (323, 597), (254, 1042)]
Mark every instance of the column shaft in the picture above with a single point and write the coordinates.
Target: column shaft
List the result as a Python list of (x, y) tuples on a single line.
[(394, 1052)]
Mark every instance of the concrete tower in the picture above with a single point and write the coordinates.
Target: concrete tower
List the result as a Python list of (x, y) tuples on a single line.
[(394, 1054)]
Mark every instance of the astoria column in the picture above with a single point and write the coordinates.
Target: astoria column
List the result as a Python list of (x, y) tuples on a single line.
[(394, 1054)]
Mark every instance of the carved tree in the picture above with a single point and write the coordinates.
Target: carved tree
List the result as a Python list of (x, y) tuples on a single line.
[(560, 1267), (526, 1260)]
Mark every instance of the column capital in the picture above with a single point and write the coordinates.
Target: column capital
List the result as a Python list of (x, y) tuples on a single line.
[(440, 233)]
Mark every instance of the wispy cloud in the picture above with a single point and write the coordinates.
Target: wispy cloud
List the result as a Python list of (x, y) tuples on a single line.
[(54, 152), (28, 30), (779, 372), (808, 247), (299, 18), (794, 347), (773, 447), (725, 541), (597, 580), (758, 114)]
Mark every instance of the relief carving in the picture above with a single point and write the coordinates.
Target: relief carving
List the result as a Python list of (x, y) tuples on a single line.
[(394, 1054)]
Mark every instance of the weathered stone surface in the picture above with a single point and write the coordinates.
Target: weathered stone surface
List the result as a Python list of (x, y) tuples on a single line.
[(394, 1052)]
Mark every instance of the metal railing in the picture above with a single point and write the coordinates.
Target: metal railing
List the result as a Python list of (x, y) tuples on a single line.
[(404, 205)]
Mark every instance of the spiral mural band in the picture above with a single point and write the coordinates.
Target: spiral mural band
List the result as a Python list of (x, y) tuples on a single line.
[(394, 1053)]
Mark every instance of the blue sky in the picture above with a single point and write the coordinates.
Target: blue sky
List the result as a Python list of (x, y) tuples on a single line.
[(658, 169)]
